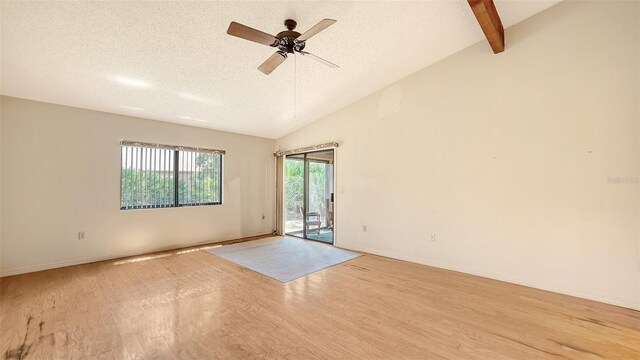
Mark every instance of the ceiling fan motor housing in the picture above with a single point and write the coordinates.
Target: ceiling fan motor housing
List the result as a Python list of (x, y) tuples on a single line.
[(288, 43)]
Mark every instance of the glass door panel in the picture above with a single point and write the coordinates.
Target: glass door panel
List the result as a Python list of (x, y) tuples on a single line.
[(319, 197), (294, 194)]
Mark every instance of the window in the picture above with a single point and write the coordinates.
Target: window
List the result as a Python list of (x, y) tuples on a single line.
[(160, 176)]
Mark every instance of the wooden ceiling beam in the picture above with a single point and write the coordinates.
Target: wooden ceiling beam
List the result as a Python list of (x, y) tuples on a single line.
[(489, 20)]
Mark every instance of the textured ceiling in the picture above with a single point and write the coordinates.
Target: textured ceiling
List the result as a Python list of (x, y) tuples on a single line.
[(173, 61)]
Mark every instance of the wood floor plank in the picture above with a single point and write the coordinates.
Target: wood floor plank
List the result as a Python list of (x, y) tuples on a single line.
[(189, 304)]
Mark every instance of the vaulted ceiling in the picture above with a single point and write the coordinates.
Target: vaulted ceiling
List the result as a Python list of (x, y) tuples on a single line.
[(174, 62)]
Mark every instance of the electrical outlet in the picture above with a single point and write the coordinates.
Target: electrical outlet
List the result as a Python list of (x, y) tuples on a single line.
[(432, 237), (364, 228), (81, 235)]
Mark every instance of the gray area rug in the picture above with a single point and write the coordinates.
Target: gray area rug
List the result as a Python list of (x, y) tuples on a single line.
[(283, 258)]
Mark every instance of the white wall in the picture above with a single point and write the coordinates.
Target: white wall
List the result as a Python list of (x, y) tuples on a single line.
[(60, 175), (0, 183), (0, 158), (507, 159)]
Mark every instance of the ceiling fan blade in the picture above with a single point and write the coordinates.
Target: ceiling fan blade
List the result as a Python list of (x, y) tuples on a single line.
[(251, 34), (319, 59), (323, 24), (272, 63)]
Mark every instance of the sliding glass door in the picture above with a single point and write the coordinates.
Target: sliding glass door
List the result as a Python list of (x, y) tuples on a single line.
[(308, 195)]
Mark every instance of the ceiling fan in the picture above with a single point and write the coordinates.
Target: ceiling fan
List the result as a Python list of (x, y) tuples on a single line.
[(287, 42)]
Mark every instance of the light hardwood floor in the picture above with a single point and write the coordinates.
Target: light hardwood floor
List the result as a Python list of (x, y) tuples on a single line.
[(190, 304)]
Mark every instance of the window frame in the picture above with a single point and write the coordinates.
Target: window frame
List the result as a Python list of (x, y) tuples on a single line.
[(177, 150)]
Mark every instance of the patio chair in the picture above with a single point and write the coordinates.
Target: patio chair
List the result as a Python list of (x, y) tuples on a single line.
[(313, 219)]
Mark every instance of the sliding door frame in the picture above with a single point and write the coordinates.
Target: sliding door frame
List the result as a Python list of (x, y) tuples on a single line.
[(305, 204), (305, 201)]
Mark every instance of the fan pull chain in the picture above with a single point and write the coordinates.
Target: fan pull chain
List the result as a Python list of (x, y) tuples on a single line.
[(295, 77)]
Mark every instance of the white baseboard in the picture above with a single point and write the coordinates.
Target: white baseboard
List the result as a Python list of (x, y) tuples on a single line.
[(500, 277), (71, 262), (55, 265)]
